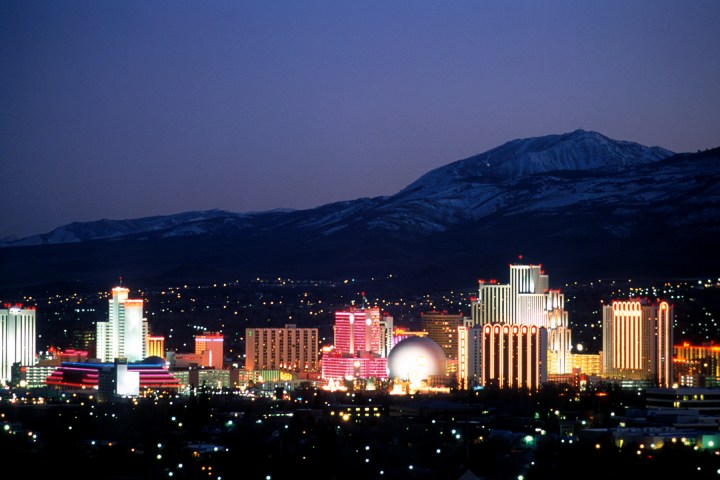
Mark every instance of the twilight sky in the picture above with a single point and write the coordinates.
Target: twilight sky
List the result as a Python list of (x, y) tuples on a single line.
[(124, 109)]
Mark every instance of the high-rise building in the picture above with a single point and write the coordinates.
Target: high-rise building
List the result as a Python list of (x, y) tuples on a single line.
[(505, 355), (288, 348), (17, 339), (357, 330), (124, 335), (442, 327), (528, 301), (637, 341), (210, 345), (386, 334), (492, 304), (360, 340)]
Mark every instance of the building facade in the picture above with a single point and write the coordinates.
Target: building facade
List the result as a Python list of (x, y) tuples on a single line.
[(386, 334), (155, 346), (506, 356), (697, 365), (288, 348), (360, 341), (124, 334), (87, 376), (442, 327), (638, 341), (358, 330), (527, 301), (17, 339), (210, 345), (587, 363)]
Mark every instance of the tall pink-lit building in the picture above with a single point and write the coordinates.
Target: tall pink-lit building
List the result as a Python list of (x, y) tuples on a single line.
[(358, 330), (359, 346), (638, 341)]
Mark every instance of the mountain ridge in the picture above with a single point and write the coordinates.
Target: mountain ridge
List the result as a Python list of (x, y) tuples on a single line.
[(531, 156), (588, 204)]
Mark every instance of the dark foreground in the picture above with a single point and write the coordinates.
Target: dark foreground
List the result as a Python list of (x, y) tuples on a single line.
[(316, 434)]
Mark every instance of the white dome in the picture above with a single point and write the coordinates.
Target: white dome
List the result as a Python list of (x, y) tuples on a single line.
[(415, 359)]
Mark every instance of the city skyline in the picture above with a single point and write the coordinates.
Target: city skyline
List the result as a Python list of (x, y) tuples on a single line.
[(132, 110), (348, 401), (362, 334)]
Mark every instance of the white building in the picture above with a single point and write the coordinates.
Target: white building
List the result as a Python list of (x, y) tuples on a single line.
[(17, 339), (125, 333), (528, 301)]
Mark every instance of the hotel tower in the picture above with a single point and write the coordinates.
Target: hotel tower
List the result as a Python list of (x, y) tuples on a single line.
[(17, 338), (638, 341), (124, 334), (518, 333)]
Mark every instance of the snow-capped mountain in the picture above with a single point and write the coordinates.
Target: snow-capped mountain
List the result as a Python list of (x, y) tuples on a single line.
[(578, 194), (105, 229)]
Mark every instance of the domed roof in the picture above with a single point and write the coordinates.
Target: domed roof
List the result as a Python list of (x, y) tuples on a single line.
[(153, 360), (415, 359)]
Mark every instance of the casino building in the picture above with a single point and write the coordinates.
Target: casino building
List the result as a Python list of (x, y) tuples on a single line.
[(638, 341), (17, 339), (114, 379)]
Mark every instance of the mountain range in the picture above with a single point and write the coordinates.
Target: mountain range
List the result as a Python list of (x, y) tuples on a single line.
[(584, 205)]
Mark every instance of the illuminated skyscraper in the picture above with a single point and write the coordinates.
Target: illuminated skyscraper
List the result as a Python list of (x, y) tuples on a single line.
[(528, 301), (386, 334), (506, 355), (288, 348), (17, 339), (637, 341), (357, 330), (124, 335), (359, 342), (210, 345), (443, 329), (492, 304)]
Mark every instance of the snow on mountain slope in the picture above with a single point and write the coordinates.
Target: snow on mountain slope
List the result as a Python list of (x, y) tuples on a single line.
[(104, 229), (579, 150), (555, 172)]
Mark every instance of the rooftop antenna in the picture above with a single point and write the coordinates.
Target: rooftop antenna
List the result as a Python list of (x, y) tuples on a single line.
[(364, 300), (121, 280)]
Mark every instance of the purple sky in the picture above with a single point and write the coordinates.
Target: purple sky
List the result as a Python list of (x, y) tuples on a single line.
[(124, 109)]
